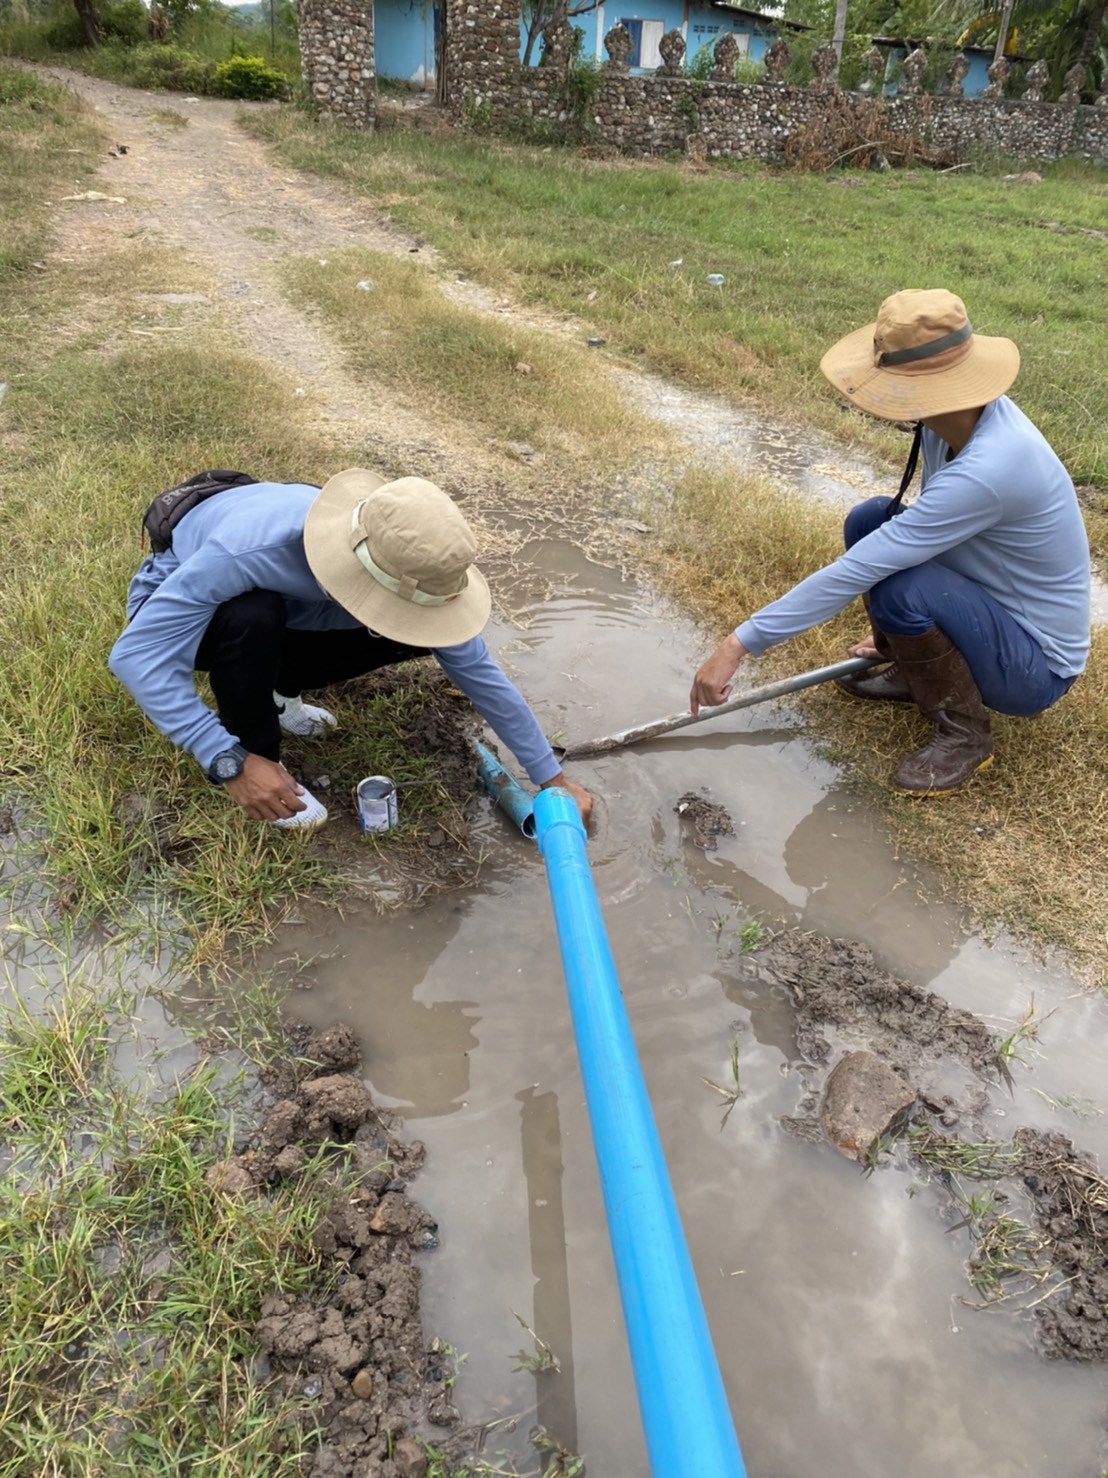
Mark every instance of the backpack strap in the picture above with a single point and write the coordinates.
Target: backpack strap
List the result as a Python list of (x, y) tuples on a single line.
[(168, 508)]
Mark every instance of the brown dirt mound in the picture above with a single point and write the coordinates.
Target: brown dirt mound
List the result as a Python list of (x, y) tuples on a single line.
[(838, 983), (703, 821), (1070, 1200), (356, 1349)]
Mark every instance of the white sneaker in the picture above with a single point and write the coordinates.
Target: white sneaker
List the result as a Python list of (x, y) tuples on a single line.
[(312, 816), (304, 720)]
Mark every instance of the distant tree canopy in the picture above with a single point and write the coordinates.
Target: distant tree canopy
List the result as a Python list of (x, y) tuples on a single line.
[(1061, 32)]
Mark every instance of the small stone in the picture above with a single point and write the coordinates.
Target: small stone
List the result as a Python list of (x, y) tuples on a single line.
[(231, 1178), (289, 1161), (362, 1385), (409, 1459), (865, 1100)]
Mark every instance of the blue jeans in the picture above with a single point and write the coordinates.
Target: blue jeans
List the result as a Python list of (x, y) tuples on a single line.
[(1007, 663)]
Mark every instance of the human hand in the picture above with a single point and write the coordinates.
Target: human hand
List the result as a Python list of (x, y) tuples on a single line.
[(712, 682), (867, 647), (578, 792), (265, 790)]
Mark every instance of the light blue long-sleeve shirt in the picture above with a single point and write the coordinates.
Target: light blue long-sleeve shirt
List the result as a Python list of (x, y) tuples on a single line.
[(252, 538), (1003, 513)]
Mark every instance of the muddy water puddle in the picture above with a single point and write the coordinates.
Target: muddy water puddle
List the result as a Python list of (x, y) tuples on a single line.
[(837, 1301)]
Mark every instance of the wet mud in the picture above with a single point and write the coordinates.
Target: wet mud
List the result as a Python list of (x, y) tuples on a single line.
[(1045, 1221), (356, 1350), (436, 723), (703, 820), (838, 983)]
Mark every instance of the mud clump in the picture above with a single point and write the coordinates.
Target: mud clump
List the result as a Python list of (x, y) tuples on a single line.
[(703, 820), (439, 728), (838, 983), (1070, 1204), (355, 1350)]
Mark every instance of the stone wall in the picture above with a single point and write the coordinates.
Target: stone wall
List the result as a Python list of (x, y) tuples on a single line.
[(336, 53), (644, 116), (481, 61), (668, 113)]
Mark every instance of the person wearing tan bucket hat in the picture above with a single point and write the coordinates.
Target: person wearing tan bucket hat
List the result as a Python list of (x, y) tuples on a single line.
[(274, 588), (978, 592)]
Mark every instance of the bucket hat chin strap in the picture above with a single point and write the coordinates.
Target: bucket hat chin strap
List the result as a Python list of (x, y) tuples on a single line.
[(909, 473), (406, 587)]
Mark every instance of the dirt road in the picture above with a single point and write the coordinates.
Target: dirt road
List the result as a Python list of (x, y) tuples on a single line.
[(180, 174)]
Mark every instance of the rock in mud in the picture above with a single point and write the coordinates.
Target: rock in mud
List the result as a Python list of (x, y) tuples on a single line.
[(410, 1459), (704, 820), (865, 1100), (232, 1178), (339, 1101), (334, 1051)]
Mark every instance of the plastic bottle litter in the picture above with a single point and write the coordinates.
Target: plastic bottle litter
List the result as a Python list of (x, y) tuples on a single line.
[(714, 279), (365, 286)]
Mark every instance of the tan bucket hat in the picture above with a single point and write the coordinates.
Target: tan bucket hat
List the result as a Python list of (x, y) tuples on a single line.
[(921, 358), (399, 556)]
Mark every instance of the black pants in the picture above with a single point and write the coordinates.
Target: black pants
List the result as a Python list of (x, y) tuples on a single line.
[(249, 653)]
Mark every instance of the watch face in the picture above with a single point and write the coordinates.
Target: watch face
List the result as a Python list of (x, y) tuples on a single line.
[(226, 766)]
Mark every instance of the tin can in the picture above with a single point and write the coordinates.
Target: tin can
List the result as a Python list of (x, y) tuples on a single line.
[(377, 805)]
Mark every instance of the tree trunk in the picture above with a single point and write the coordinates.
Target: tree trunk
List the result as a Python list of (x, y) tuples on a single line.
[(539, 18), (90, 21), (1097, 11), (1002, 34), (839, 36)]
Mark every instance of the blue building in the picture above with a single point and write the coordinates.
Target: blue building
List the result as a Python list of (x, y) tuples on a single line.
[(701, 22), (407, 38), (975, 81), (408, 33)]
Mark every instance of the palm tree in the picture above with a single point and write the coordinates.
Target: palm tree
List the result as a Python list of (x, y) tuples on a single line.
[(1066, 34)]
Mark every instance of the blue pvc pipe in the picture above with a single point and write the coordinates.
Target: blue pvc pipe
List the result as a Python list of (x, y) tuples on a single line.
[(685, 1416), (505, 790)]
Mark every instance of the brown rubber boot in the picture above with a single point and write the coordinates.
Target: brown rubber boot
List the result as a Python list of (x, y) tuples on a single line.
[(944, 691), (887, 685)]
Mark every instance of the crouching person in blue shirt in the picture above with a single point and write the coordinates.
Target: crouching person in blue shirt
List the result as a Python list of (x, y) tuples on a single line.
[(274, 588), (978, 593)]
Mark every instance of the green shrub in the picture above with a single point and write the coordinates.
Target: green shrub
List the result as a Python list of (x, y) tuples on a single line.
[(63, 32), (151, 65), (124, 22), (700, 64), (249, 77)]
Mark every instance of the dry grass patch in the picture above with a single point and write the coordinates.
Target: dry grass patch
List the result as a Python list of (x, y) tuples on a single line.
[(507, 381)]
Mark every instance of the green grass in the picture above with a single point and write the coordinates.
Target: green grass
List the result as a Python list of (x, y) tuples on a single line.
[(131, 1291), (94, 422), (804, 259), (48, 138)]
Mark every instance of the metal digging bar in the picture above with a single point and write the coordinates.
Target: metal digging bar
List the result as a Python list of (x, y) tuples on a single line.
[(686, 1420), (763, 694)]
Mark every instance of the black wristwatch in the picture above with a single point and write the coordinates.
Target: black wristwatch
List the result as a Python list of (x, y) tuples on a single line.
[(228, 766)]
